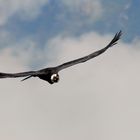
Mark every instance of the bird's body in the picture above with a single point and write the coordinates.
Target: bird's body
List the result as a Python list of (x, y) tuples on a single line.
[(51, 74)]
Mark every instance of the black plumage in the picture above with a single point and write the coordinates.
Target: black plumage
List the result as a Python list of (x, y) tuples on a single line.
[(51, 74)]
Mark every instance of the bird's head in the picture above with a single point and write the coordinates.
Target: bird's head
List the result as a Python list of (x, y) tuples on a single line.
[(54, 78)]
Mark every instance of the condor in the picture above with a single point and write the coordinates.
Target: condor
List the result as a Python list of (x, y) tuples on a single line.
[(51, 74)]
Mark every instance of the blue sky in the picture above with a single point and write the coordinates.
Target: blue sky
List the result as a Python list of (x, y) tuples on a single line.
[(98, 99), (48, 19), (56, 18)]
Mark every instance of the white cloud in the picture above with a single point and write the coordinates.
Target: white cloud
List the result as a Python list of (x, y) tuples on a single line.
[(24, 8), (95, 100), (89, 9)]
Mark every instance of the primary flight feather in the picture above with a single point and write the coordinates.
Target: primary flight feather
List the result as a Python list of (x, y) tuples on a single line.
[(51, 74)]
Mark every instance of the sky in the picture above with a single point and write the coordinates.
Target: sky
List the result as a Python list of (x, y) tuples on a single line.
[(98, 99)]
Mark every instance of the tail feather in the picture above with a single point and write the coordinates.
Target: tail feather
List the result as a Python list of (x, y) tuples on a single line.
[(26, 78)]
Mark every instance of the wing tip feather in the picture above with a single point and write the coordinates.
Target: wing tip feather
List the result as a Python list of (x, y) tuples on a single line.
[(115, 39)]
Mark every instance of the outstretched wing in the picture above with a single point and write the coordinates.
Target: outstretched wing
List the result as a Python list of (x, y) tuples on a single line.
[(15, 75), (92, 55)]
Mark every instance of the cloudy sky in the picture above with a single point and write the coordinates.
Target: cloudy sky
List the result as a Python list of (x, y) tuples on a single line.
[(97, 100)]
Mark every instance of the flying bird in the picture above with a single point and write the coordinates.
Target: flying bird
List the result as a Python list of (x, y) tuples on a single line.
[(51, 74)]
